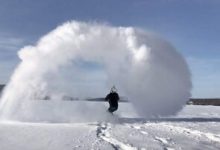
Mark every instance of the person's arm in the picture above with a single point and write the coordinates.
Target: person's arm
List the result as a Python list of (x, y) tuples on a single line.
[(107, 97), (118, 98)]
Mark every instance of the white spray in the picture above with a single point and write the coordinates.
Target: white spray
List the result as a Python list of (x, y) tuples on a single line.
[(148, 70)]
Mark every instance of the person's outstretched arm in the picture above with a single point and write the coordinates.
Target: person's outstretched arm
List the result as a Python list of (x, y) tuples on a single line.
[(107, 97), (118, 98)]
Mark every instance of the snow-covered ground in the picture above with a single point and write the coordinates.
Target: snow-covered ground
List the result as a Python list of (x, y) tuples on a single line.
[(195, 127)]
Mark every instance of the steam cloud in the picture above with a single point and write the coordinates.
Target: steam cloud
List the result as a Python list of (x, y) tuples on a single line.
[(86, 59)]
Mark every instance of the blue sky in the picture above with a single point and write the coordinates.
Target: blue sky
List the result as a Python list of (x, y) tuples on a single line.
[(192, 26)]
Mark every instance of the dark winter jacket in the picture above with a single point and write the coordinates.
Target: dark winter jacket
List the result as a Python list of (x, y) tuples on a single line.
[(113, 99)]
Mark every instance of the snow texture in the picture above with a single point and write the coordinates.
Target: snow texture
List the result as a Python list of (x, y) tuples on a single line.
[(184, 131)]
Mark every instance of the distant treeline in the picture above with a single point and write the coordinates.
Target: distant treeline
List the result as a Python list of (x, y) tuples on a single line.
[(192, 101), (204, 101)]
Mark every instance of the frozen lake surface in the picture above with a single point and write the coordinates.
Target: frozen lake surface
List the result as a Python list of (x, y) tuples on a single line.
[(195, 127)]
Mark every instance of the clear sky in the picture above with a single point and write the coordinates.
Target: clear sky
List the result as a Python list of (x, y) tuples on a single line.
[(192, 26)]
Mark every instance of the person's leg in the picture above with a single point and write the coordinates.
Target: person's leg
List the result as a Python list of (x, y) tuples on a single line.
[(112, 109), (110, 106)]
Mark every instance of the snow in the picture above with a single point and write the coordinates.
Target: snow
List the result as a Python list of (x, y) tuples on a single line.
[(195, 127)]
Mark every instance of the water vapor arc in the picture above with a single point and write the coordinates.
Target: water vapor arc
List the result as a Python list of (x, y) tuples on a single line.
[(145, 68)]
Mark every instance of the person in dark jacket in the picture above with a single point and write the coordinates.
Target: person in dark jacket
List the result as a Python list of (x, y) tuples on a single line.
[(113, 99)]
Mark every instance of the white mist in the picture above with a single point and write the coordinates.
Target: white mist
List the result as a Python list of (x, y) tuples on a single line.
[(146, 69)]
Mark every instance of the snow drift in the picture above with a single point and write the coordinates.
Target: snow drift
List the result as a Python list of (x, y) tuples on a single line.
[(85, 59)]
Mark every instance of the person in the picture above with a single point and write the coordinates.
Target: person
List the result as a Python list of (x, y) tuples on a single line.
[(113, 99)]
